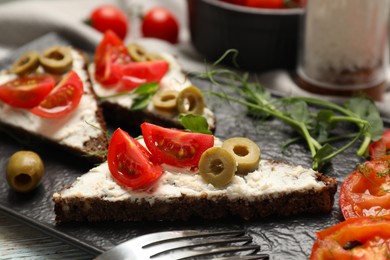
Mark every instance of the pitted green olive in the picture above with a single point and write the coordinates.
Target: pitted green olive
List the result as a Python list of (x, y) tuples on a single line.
[(137, 52), (245, 151), (26, 64), (165, 100), (150, 56), (217, 166), (190, 101), (56, 59), (24, 171)]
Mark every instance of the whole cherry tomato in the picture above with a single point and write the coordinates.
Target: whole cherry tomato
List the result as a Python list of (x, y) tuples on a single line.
[(107, 17), (160, 23), (265, 3)]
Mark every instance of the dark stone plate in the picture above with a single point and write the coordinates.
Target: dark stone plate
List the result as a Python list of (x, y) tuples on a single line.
[(290, 238)]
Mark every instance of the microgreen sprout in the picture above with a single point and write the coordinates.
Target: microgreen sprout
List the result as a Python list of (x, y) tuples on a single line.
[(313, 125)]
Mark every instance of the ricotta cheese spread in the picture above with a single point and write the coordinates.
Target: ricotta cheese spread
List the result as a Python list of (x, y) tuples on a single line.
[(270, 179), (345, 43), (73, 129), (175, 79)]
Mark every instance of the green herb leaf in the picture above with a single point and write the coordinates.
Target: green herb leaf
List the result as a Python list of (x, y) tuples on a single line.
[(324, 124), (367, 110), (324, 152), (144, 94), (300, 111), (195, 123)]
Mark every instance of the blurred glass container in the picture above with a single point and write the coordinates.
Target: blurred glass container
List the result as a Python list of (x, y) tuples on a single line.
[(344, 47)]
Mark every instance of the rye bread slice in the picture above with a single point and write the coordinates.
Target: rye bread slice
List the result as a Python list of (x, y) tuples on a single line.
[(276, 189), (117, 110), (82, 132)]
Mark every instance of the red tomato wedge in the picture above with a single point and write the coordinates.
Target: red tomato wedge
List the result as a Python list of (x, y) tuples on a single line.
[(366, 192), (380, 148), (63, 99), (114, 67), (137, 73), (130, 163), (26, 92), (176, 147), (355, 238), (109, 54)]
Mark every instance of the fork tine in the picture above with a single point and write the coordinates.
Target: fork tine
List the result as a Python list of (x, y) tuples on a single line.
[(169, 236), (181, 255), (175, 245), (142, 246), (245, 257)]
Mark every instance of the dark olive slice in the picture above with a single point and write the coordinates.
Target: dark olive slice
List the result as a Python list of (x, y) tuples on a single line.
[(137, 52), (24, 171), (165, 100), (245, 151), (56, 59), (26, 64), (190, 101), (217, 166)]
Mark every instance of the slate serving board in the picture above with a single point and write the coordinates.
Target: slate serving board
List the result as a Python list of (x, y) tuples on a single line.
[(290, 238)]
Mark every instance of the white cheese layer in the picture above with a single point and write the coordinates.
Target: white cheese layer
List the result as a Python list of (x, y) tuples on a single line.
[(175, 79), (73, 129), (270, 179)]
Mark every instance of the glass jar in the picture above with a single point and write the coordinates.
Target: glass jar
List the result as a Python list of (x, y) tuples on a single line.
[(344, 47)]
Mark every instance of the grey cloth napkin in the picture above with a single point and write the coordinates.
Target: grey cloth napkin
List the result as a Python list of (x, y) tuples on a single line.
[(24, 21)]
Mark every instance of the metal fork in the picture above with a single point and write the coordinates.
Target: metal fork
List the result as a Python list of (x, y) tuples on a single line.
[(186, 244)]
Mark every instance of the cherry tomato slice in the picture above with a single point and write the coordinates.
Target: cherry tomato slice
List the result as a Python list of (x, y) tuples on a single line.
[(365, 192), (137, 73), (160, 23), (380, 148), (176, 147), (107, 17), (355, 238), (63, 99), (109, 54), (130, 163), (26, 92)]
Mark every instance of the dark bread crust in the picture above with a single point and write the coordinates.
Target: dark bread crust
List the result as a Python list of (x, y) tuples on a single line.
[(131, 120), (279, 205), (94, 150)]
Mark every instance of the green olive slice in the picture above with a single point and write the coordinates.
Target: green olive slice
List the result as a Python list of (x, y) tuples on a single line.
[(26, 64), (217, 166), (24, 171), (245, 151), (150, 56), (56, 59), (190, 101), (137, 52), (165, 100)]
